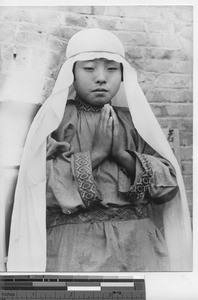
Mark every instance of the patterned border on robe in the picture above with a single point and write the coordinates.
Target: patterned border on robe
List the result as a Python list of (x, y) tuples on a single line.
[(87, 188)]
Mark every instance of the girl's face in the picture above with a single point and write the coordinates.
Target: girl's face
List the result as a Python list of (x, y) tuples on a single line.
[(97, 81)]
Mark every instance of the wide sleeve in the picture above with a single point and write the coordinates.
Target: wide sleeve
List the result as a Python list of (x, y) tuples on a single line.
[(70, 183), (155, 177)]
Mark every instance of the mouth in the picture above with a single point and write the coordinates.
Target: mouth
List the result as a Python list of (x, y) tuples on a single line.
[(100, 90)]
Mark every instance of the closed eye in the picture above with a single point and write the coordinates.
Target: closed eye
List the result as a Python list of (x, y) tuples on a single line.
[(88, 69)]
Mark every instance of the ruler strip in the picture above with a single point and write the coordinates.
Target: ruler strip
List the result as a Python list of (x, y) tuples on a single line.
[(45, 287)]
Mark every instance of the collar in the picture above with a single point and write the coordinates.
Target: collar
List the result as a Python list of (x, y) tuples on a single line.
[(81, 105)]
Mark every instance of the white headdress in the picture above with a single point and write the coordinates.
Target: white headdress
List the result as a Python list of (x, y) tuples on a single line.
[(27, 246)]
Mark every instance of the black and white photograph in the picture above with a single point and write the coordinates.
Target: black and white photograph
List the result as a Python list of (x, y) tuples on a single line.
[(96, 127)]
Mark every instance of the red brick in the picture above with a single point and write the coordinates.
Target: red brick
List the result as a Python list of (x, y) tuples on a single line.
[(186, 153), (133, 53), (159, 95), (173, 81), (73, 19), (157, 26), (56, 44), (165, 53), (189, 194), (182, 67), (182, 96), (169, 95), (181, 110), (184, 13), (187, 32), (167, 110), (183, 124), (186, 124), (185, 29), (156, 65), (177, 13), (186, 138), (168, 122), (187, 167), (111, 23), (131, 25), (146, 80), (167, 13), (188, 182), (62, 32), (133, 38), (164, 39)]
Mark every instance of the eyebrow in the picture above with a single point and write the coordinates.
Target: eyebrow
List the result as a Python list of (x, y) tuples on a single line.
[(95, 60)]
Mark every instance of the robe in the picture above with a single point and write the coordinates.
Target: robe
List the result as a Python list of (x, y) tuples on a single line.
[(102, 219)]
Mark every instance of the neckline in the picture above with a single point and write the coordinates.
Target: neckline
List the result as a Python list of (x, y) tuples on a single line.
[(81, 105)]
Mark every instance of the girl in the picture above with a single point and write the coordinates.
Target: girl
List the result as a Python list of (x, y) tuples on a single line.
[(109, 170)]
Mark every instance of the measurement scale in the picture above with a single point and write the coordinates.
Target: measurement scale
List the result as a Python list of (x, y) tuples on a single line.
[(45, 287)]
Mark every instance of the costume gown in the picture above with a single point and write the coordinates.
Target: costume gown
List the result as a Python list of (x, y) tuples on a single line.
[(101, 219)]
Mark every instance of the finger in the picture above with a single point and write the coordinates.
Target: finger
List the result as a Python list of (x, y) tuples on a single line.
[(100, 117), (115, 121), (106, 114), (113, 114), (110, 122), (100, 121), (110, 127), (106, 109)]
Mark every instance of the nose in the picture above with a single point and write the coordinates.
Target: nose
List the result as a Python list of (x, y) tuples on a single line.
[(101, 76)]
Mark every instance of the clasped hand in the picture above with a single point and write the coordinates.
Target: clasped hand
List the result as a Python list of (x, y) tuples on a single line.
[(106, 140)]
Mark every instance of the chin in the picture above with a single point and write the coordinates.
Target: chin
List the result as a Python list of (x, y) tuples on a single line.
[(101, 102)]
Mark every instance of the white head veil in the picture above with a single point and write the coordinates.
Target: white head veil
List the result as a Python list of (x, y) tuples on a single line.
[(27, 246)]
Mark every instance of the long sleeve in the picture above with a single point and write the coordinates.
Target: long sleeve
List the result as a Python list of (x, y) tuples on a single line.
[(89, 192), (61, 189), (155, 178), (70, 183), (69, 178)]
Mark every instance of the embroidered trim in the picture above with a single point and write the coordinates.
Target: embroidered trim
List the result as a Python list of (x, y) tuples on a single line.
[(143, 180), (84, 106), (97, 214), (86, 186)]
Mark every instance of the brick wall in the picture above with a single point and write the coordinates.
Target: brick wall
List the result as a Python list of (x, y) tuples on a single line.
[(158, 42)]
